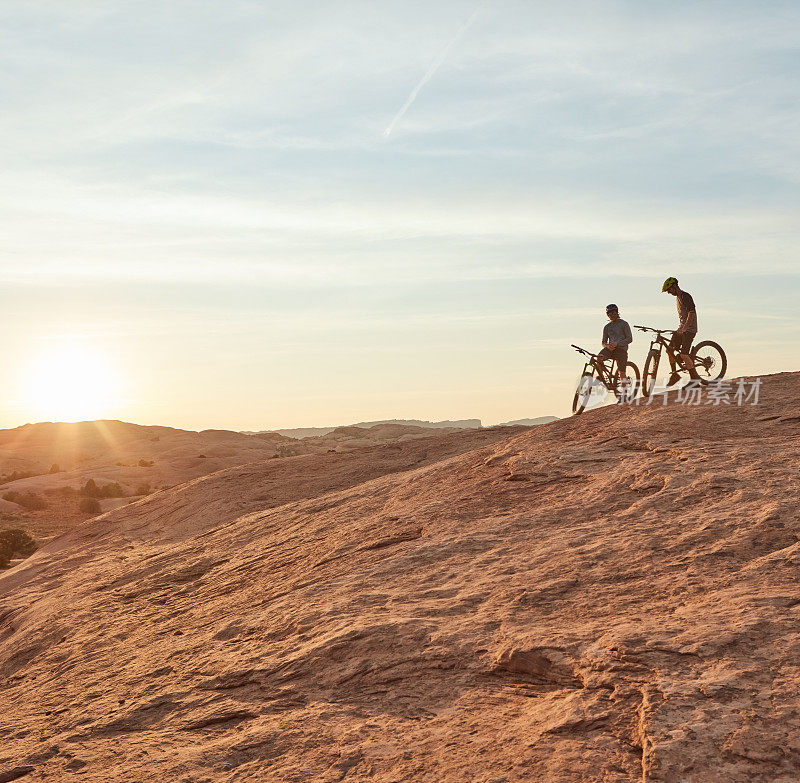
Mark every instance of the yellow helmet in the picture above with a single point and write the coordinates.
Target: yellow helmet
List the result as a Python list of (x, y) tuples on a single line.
[(668, 283)]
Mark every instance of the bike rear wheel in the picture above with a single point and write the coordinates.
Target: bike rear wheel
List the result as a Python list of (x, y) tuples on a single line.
[(582, 393), (634, 379), (649, 373), (709, 360)]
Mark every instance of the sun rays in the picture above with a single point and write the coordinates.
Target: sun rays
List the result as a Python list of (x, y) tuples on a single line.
[(70, 381)]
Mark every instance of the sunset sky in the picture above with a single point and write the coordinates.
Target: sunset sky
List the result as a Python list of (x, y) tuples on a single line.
[(252, 215)]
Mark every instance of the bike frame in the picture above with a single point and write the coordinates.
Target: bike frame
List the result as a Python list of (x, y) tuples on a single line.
[(605, 375), (660, 342), (596, 364)]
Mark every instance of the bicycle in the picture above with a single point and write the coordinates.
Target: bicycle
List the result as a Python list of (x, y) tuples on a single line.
[(708, 358), (607, 377)]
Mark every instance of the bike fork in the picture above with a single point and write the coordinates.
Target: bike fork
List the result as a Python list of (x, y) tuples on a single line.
[(656, 353)]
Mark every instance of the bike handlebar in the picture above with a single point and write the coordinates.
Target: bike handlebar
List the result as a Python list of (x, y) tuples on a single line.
[(582, 350), (657, 331)]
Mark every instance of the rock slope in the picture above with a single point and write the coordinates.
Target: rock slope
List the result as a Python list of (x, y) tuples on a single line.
[(612, 597)]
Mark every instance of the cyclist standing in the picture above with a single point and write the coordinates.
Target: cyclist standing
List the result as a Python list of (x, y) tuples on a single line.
[(684, 335), (616, 339)]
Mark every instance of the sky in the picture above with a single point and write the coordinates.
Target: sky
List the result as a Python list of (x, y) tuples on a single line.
[(252, 215)]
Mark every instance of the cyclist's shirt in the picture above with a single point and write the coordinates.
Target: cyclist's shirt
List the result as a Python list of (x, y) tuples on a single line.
[(685, 306), (617, 332)]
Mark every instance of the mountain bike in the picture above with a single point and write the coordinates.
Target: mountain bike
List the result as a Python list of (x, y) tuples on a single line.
[(595, 373), (708, 358)]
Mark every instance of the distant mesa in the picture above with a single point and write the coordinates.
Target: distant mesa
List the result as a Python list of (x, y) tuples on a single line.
[(317, 432), (299, 433)]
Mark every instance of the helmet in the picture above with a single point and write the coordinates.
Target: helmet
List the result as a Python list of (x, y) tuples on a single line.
[(668, 283), (612, 308)]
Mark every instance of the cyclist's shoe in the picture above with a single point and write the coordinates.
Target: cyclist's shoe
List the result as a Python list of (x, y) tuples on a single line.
[(674, 378)]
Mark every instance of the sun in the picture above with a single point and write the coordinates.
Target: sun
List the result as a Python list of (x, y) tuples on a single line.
[(70, 381)]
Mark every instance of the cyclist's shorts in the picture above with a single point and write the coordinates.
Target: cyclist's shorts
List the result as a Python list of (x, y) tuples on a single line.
[(682, 343), (618, 353)]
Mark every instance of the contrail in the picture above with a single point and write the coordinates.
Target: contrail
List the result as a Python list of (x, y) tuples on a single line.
[(432, 70)]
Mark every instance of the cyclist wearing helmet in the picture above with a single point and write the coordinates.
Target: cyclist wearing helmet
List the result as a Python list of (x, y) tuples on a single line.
[(616, 339), (687, 328)]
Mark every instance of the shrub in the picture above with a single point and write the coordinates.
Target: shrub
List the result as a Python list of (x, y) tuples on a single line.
[(30, 501), (202, 456), (17, 474), (66, 491), (54, 468), (111, 490), (143, 489), (89, 505), (146, 463), (15, 543), (20, 542), (90, 489)]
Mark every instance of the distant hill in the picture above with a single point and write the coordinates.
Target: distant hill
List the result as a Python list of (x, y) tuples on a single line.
[(315, 432), (54, 461), (458, 424), (45, 467)]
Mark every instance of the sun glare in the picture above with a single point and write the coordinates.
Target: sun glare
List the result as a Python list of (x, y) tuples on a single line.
[(70, 382)]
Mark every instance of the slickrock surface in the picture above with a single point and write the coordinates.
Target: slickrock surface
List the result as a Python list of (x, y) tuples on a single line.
[(612, 597)]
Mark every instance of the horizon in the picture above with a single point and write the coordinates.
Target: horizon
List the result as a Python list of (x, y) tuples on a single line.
[(272, 429), (256, 218)]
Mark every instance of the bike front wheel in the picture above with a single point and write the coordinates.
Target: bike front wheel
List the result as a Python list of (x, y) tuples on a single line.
[(582, 393), (634, 381), (709, 361), (649, 373)]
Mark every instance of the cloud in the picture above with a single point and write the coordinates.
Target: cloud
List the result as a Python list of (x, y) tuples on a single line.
[(431, 72)]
